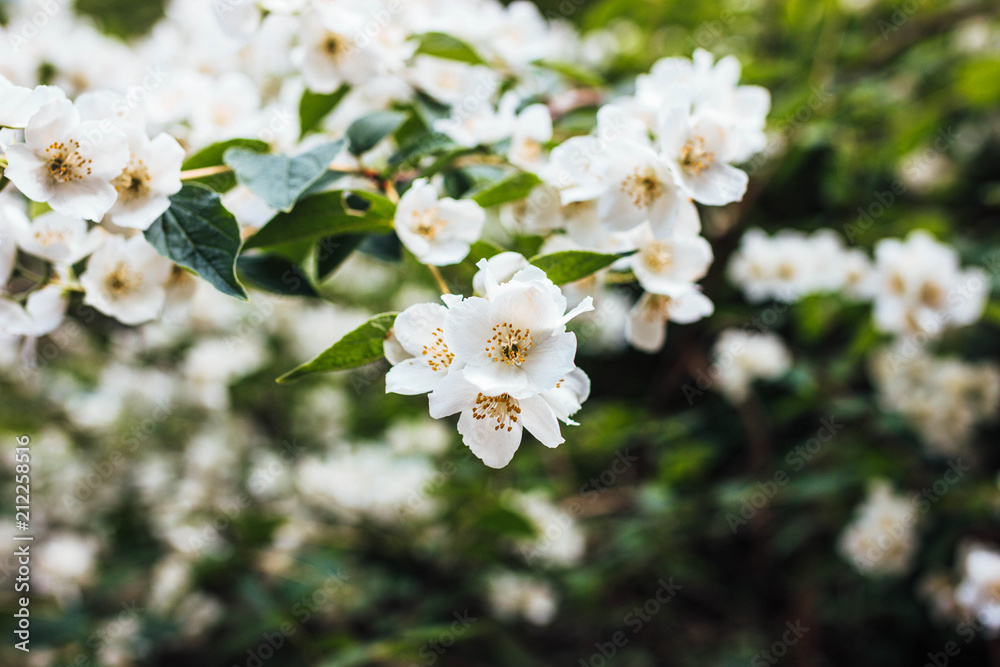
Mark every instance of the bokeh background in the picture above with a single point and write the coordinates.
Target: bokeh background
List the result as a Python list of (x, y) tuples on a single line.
[(191, 511)]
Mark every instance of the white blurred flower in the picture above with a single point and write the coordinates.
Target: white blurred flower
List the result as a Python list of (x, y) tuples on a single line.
[(126, 279), (513, 595), (739, 358), (882, 537)]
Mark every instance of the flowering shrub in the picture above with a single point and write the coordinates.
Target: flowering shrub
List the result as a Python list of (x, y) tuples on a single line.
[(576, 225)]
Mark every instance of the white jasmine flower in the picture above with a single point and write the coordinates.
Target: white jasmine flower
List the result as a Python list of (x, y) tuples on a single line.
[(67, 163), (437, 231), (920, 289), (503, 266), (127, 280), (515, 339), (482, 125), (698, 156), (532, 129), (882, 537), (60, 239), (646, 326), (144, 187), (419, 331), (978, 594), (638, 186), (18, 105), (451, 81), (512, 595), (668, 266), (740, 357), (492, 425)]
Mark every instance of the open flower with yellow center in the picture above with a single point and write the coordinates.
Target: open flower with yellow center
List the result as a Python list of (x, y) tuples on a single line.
[(437, 231), (127, 279), (144, 187), (60, 239), (646, 326), (664, 266), (68, 163), (699, 156), (419, 331), (514, 340)]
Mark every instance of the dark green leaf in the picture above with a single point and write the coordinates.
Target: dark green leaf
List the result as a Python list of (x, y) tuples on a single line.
[(512, 188), (314, 107), (321, 215), (198, 233), (368, 130), (278, 179), (428, 144), (331, 251), (569, 266), (275, 274), (361, 346)]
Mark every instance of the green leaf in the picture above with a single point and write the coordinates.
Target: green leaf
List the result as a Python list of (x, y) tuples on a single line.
[(278, 179), (445, 46), (568, 266), (368, 130), (331, 251), (483, 250), (276, 274), (198, 233), (512, 188), (361, 346), (314, 107), (431, 143), (212, 156), (572, 72), (321, 215)]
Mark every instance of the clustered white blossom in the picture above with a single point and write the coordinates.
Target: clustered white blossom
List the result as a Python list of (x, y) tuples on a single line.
[(944, 398), (916, 285), (741, 357), (882, 538), (504, 361)]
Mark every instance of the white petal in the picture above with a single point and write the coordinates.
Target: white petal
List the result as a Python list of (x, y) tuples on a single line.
[(495, 447), (540, 421)]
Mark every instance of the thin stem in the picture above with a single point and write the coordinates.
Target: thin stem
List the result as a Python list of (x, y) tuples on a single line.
[(439, 279), (191, 174)]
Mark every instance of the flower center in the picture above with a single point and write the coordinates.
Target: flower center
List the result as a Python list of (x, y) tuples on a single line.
[(132, 183), (659, 256), (426, 223), (120, 281), (694, 157), (509, 345), (530, 150), (502, 409), (931, 295), (336, 46), (48, 237), (659, 306), (65, 162), (437, 354), (643, 188)]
